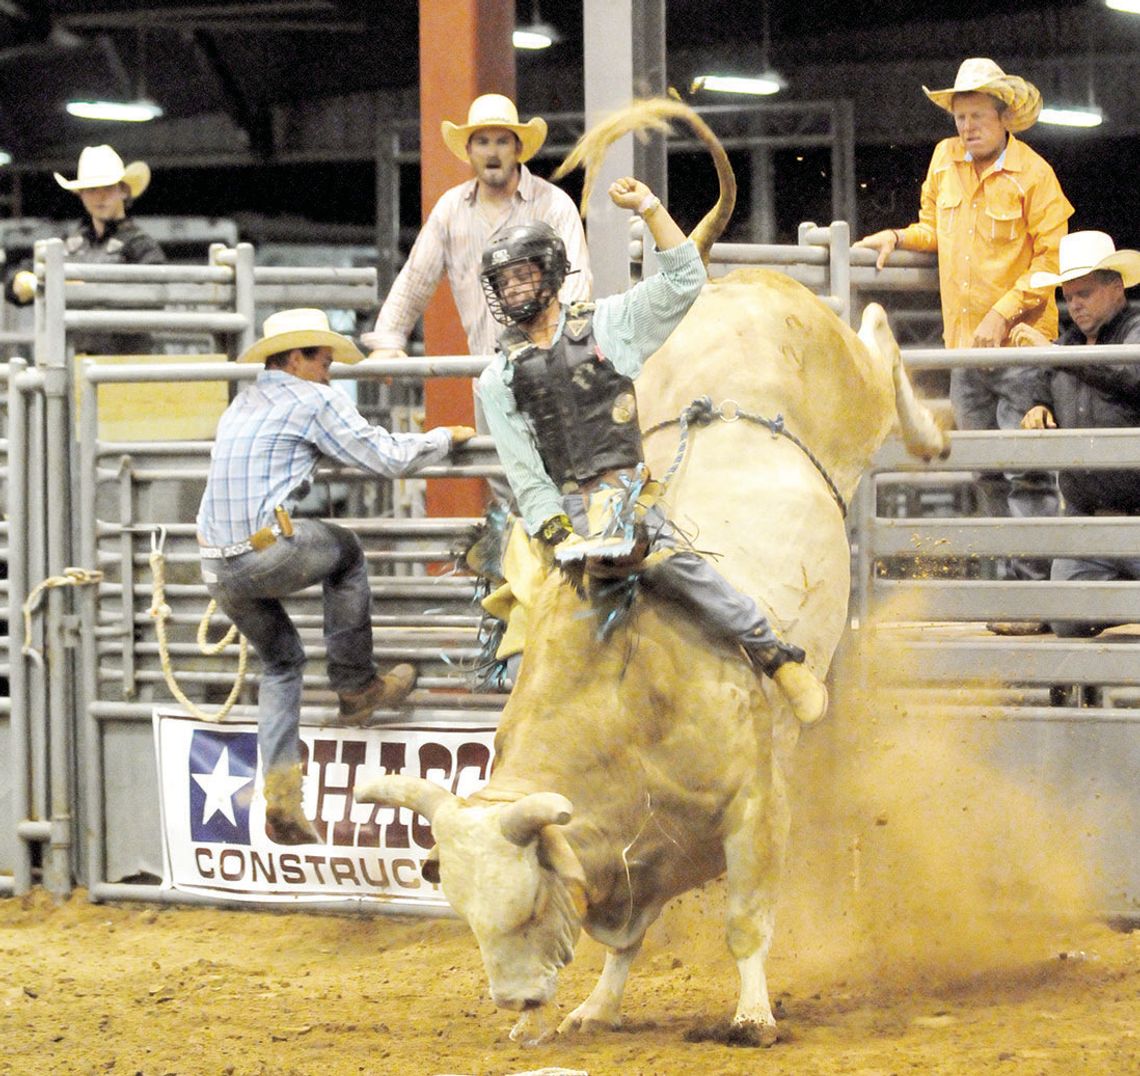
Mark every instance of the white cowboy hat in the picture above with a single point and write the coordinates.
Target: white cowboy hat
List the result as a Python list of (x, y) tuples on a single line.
[(494, 110), (101, 166), (1086, 252), (303, 327), (979, 75)]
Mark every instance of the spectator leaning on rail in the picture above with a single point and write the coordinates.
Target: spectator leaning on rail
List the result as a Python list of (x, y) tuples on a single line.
[(502, 192), (1093, 276), (269, 442), (561, 403), (107, 188), (994, 212)]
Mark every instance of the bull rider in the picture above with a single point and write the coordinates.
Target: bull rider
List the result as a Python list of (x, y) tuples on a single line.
[(560, 401)]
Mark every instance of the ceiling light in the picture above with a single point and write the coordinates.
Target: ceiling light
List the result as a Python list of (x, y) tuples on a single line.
[(1131, 6), (5, 158), (538, 35), (115, 111), (1072, 117), (764, 84)]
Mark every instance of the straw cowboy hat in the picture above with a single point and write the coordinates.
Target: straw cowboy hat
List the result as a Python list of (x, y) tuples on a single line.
[(101, 166), (1086, 252), (494, 110), (304, 327), (979, 75)]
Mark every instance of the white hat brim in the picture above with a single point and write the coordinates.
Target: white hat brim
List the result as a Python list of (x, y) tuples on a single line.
[(343, 349), (136, 176), (1124, 262)]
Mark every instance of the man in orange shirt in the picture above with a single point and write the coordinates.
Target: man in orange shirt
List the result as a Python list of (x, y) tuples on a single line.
[(994, 212)]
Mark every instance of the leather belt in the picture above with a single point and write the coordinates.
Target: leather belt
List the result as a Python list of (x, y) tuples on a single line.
[(263, 539)]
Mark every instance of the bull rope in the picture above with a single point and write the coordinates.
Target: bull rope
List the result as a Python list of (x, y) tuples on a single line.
[(162, 612), (701, 412)]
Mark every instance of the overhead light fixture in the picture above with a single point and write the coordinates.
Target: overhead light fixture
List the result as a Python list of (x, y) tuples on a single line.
[(1131, 6), (763, 85), (115, 111), (766, 83), (1072, 117), (537, 34), (5, 158)]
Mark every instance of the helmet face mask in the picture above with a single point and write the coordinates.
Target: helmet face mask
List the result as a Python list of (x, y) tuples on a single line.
[(512, 251)]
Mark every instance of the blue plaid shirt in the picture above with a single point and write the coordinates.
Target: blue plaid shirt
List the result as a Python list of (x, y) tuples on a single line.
[(272, 437)]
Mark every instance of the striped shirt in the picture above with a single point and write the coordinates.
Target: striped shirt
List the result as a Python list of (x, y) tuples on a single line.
[(272, 437), (628, 328), (452, 242)]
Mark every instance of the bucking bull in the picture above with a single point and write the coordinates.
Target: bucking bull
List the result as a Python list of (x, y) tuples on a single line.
[(631, 770)]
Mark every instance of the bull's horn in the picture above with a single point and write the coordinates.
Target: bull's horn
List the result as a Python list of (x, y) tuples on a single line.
[(399, 790), (521, 821)]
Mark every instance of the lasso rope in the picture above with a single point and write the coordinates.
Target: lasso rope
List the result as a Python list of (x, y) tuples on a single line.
[(161, 613), (72, 577), (702, 412)]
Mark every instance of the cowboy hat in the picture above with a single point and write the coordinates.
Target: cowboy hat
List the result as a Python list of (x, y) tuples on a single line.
[(1086, 252), (494, 110), (979, 75), (303, 327), (101, 166)]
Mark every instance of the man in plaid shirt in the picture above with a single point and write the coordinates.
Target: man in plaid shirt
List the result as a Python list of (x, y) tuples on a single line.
[(269, 442)]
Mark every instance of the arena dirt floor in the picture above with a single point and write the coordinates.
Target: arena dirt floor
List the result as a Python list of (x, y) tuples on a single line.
[(937, 918)]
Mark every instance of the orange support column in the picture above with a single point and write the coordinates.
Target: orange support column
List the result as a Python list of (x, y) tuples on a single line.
[(465, 51)]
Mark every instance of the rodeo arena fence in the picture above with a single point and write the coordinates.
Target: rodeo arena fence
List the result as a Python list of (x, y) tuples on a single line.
[(129, 738)]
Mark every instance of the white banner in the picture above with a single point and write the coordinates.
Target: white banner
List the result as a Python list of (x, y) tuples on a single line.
[(213, 809)]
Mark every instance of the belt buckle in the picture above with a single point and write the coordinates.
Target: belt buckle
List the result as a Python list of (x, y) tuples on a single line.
[(263, 538)]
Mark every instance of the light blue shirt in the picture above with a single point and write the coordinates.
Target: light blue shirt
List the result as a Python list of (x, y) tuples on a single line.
[(628, 328), (272, 437)]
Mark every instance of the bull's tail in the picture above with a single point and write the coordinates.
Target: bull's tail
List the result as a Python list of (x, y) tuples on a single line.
[(655, 114), (920, 432)]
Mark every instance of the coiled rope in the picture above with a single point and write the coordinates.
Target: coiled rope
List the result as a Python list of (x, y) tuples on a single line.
[(72, 577), (162, 612)]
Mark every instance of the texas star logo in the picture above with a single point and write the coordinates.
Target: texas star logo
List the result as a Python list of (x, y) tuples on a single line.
[(222, 770)]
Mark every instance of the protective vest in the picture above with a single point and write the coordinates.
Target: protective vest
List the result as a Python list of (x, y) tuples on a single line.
[(584, 412)]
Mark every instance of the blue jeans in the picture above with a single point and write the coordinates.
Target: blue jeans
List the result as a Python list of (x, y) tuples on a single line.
[(249, 589), (688, 580), (985, 399), (1092, 568)]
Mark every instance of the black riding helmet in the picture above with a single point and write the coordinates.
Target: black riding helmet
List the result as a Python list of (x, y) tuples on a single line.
[(536, 242)]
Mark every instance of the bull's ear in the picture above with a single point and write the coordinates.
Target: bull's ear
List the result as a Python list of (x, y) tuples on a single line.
[(521, 821), (555, 853), (430, 868)]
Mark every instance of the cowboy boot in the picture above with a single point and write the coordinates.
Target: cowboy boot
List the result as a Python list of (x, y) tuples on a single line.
[(805, 692), (285, 821), (388, 690), (784, 663)]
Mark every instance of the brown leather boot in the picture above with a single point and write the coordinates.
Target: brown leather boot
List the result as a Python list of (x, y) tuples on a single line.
[(285, 821), (388, 690)]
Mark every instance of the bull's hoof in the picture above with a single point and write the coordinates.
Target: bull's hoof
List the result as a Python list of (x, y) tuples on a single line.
[(588, 1023), (735, 1033)]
